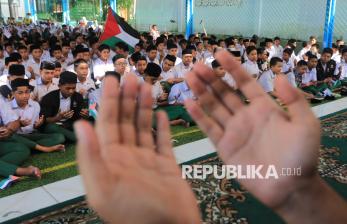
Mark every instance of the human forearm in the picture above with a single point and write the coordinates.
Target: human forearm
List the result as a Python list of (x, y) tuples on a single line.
[(53, 119), (316, 203)]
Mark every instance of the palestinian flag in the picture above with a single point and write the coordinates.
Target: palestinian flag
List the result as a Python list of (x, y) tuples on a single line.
[(116, 30)]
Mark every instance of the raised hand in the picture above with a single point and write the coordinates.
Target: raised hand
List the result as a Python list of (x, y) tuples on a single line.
[(128, 177), (68, 114), (25, 122), (262, 133), (84, 113)]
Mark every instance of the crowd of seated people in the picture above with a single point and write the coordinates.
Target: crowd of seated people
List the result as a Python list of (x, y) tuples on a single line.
[(49, 79)]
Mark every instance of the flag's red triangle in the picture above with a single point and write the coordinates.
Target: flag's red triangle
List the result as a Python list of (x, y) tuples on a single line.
[(111, 28)]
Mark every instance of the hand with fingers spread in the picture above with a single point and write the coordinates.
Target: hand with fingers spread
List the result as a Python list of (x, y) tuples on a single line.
[(128, 177), (262, 133)]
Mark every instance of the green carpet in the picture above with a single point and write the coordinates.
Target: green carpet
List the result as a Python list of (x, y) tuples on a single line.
[(225, 201)]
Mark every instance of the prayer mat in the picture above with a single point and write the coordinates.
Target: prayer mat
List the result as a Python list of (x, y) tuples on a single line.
[(225, 201)]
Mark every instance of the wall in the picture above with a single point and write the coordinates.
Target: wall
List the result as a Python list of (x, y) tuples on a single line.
[(226, 17), (160, 12), (285, 18), (18, 8), (288, 19), (340, 30)]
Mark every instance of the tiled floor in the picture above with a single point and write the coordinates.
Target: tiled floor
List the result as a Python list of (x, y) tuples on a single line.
[(48, 195), (24, 203)]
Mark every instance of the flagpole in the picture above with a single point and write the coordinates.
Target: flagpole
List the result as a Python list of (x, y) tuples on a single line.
[(203, 27)]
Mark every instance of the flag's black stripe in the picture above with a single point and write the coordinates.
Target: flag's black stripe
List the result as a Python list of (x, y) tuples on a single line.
[(125, 26)]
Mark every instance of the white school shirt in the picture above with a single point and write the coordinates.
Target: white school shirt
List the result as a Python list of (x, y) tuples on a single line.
[(266, 80), (179, 93), (271, 52), (228, 79), (301, 53), (71, 68), (137, 75), (2, 65), (157, 91), (36, 67), (206, 54), (336, 57), (199, 56), (167, 75), (343, 65), (209, 61), (287, 65), (30, 112), (41, 89), (100, 67), (251, 67), (112, 54), (291, 79), (156, 61), (46, 56), (6, 114), (65, 105), (178, 61), (86, 85), (181, 70), (309, 76), (278, 51)]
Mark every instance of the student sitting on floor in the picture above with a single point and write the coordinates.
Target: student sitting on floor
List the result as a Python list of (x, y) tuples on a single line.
[(267, 79), (184, 67), (194, 53), (103, 63), (263, 57), (302, 74), (15, 71), (167, 74), (8, 62), (57, 55), (151, 54), (63, 107), (177, 114), (140, 65), (34, 63), (121, 66), (44, 84), (251, 65), (84, 84), (179, 93), (160, 44), (13, 153), (309, 77), (326, 70), (269, 47), (341, 68), (30, 120), (288, 66), (173, 50), (58, 70), (66, 52), (221, 73), (77, 54)]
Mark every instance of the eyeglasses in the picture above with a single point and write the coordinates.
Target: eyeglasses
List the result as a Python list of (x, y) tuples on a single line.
[(121, 63)]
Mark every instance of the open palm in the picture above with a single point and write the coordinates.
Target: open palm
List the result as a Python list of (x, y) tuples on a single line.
[(260, 133), (128, 178)]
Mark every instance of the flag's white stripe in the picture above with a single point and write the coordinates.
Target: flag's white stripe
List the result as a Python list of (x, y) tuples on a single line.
[(132, 41)]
